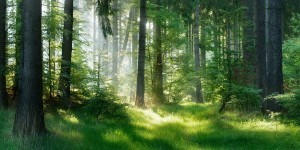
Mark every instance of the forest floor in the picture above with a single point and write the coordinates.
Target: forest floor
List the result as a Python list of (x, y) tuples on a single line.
[(183, 127)]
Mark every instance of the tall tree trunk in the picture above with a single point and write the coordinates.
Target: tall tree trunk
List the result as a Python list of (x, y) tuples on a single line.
[(29, 118), (140, 89), (115, 44), (203, 36), (125, 43), (199, 96), (51, 49), (260, 46), (3, 92), (134, 49), (95, 26), (105, 57), (18, 45), (228, 67), (158, 89), (65, 74), (274, 51), (248, 43), (236, 33)]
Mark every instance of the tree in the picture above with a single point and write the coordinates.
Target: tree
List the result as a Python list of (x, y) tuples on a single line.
[(203, 37), (29, 118), (126, 39), (158, 89), (134, 47), (18, 46), (199, 96), (261, 46), (51, 38), (67, 48), (274, 51), (140, 90), (248, 43), (115, 43), (3, 93)]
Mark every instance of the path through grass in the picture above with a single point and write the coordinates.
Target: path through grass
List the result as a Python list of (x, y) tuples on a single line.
[(183, 127)]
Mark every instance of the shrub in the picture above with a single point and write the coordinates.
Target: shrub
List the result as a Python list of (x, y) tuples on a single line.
[(244, 98), (105, 105), (291, 102)]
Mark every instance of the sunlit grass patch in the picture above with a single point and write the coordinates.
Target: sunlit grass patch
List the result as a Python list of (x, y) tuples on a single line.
[(185, 127), (115, 135)]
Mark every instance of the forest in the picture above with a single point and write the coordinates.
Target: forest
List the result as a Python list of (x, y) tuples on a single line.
[(149, 74)]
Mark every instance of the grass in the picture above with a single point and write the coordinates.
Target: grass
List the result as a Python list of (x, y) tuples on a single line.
[(183, 127)]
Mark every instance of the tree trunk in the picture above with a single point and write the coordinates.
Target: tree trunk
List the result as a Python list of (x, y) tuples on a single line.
[(95, 26), (51, 50), (274, 51), (125, 43), (134, 50), (65, 74), (199, 97), (18, 46), (140, 90), (115, 44), (203, 36), (105, 59), (260, 46), (248, 43), (3, 92), (29, 118), (158, 89)]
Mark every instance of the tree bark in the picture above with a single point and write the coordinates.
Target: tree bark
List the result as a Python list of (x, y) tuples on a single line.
[(261, 46), (248, 43), (3, 92), (274, 51), (134, 50), (140, 90), (29, 118), (199, 96), (158, 88), (18, 45), (203, 36), (65, 74)]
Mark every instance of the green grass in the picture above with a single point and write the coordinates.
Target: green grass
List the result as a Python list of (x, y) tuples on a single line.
[(183, 127)]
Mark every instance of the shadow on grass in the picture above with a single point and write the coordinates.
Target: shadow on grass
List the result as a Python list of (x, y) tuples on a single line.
[(65, 133), (189, 127)]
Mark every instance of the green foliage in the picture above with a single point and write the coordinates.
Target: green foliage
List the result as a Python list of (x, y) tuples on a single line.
[(180, 74), (291, 55), (245, 98), (80, 72), (295, 25), (291, 102), (291, 63), (105, 105), (104, 11)]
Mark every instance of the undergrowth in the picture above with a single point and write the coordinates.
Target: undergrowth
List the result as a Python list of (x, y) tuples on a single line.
[(185, 127)]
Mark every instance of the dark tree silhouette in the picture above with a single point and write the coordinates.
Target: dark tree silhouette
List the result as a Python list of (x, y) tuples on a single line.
[(274, 51), (158, 89), (261, 75), (3, 93), (140, 90), (29, 119), (248, 43), (65, 74)]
